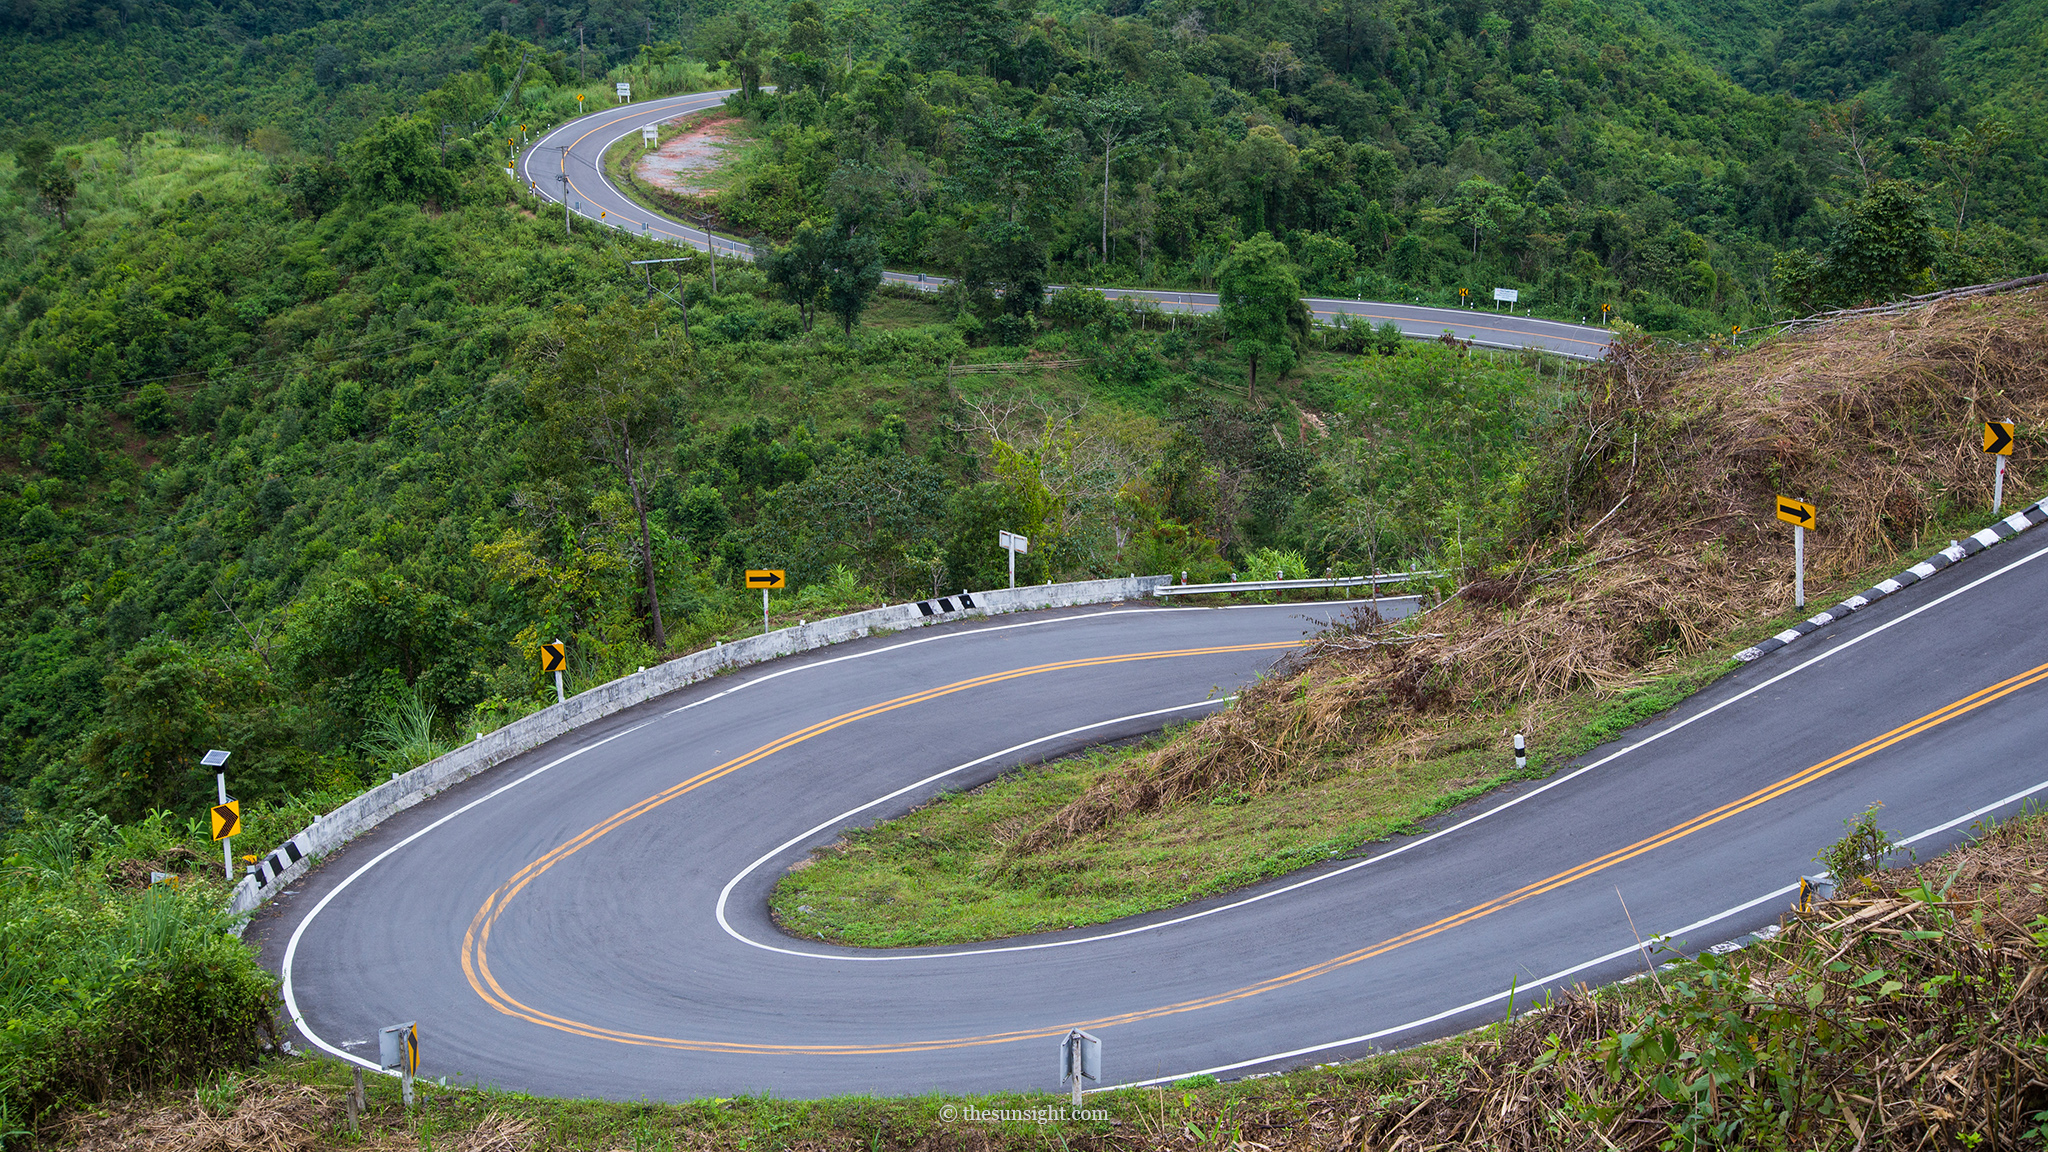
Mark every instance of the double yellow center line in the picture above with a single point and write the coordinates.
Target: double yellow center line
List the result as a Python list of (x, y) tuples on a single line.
[(475, 941)]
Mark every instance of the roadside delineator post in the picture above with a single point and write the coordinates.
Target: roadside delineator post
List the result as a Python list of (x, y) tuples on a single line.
[(1998, 436), (1801, 515), (1521, 752), (398, 1046), (226, 815), (554, 657), (1080, 1057)]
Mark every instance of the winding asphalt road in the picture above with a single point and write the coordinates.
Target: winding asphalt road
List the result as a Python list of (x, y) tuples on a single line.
[(566, 166), (590, 918)]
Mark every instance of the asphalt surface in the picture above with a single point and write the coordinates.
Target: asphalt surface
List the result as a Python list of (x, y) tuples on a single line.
[(590, 919), (566, 166)]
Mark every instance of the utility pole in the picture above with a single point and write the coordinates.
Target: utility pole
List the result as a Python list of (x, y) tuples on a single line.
[(579, 51), (564, 178)]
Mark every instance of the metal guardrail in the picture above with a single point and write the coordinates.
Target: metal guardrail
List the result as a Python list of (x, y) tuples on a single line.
[(1283, 585)]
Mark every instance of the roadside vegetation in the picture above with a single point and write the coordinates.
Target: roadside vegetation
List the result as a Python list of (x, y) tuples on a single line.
[(1906, 1012), (1641, 554)]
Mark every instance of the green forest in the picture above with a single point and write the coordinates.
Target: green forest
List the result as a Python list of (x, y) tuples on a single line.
[(313, 424)]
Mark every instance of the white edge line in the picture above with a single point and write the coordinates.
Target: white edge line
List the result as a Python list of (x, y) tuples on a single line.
[(1349, 868), (786, 845), (1554, 977), (291, 948)]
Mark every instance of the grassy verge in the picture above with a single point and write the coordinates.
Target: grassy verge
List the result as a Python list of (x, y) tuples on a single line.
[(1902, 1014), (956, 870)]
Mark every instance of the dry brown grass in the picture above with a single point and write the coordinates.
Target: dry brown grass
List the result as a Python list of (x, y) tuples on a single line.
[(1669, 542), (1948, 1057), (267, 1115)]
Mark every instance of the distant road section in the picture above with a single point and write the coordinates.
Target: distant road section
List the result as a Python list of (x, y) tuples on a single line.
[(566, 166)]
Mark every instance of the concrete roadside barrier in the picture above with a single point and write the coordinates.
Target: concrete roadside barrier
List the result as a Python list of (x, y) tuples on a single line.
[(288, 861)]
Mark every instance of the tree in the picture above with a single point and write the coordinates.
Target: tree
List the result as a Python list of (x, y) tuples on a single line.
[(1018, 164), (1879, 250), (1113, 120), (1882, 247), (839, 267), (600, 391), (56, 187), (738, 42), (798, 270), (1962, 154), (806, 59), (1260, 300), (853, 274), (1007, 258), (962, 35), (396, 162)]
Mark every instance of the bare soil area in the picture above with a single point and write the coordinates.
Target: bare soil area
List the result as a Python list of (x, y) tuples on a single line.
[(681, 166)]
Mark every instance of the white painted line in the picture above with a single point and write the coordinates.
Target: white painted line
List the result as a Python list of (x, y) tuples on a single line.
[(1371, 860), (793, 841), (291, 949), (1554, 977)]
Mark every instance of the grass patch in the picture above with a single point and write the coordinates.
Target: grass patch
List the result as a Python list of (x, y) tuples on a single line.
[(959, 869)]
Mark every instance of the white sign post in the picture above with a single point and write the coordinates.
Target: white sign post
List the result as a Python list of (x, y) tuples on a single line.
[(650, 134), (1013, 543), (398, 1046), (1080, 1057), (1508, 296), (625, 92), (214, 759)]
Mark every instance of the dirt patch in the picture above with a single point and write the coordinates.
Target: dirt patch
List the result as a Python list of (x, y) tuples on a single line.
[(681, 166)]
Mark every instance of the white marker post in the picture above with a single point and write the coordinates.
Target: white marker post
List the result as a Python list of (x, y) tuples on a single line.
[(398, 1046), (214, 758), (1799, 565), (764, 611), (1521, 752), (1798, 513), (1998, 436), (1013, 543), (1080, 1056), (561, 694)]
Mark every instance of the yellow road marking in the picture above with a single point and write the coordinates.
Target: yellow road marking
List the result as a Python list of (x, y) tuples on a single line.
[(476, 939)]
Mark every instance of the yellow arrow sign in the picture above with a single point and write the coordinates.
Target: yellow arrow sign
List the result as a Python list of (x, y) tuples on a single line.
[(1796, 512), (766, 578), (554, 657), (227, 819), (1998, 437)]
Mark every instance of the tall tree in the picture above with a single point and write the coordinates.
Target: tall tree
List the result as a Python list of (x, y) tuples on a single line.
[(798, 270), (1018, 164), (1113, 121), (1261, 304), (962, 35), (602, 393), (853, 273)]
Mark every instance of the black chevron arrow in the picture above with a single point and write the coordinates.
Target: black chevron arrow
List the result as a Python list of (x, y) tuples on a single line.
[(1798, 512), (1996, 438)]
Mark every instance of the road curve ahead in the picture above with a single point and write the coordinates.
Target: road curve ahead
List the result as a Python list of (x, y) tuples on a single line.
[(567, 166), (591, 918)]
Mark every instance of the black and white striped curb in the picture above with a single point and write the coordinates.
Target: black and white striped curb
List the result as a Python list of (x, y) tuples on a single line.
[(944, 604), (268, 869), (2005, 529)]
